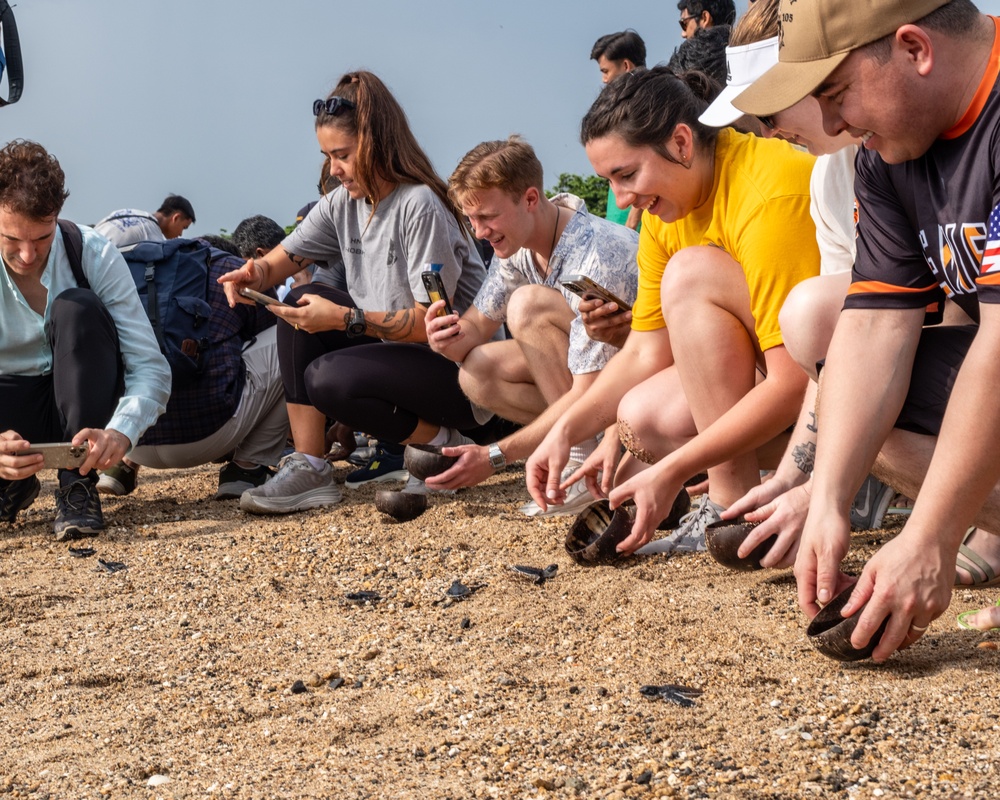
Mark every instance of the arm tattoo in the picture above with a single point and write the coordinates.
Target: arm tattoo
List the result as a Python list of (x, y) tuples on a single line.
[(300, 262), (805, 456), (395, 326), (812, 426)]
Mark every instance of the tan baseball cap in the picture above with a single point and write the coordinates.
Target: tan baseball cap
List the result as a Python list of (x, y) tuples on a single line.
[(815, 37)]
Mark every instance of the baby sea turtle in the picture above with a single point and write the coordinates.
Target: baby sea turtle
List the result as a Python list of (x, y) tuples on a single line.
[(82, 552), (672, 693), (362, 597), (459, 591), (110, 566), (536, 575)]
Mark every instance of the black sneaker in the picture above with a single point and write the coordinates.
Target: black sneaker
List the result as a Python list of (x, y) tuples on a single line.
[(234, 480), (16, 496), (384, 466), (78, 510)]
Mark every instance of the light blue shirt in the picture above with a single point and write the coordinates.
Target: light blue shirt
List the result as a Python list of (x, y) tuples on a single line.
[(24, 347)]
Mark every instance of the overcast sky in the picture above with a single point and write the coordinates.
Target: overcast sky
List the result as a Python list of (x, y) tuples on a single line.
[(212, 98)]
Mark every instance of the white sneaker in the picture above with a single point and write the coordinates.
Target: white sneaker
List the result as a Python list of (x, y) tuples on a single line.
[(296, 487), (578, 497), (689, 536)]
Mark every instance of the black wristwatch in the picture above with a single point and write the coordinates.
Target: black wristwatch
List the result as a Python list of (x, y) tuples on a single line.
[(497, 459), (356, 325)]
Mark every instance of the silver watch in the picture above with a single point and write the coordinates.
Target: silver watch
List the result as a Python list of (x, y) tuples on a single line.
[(497, 460)]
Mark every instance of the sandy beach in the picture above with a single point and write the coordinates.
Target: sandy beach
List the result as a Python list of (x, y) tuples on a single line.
[(226, 660)]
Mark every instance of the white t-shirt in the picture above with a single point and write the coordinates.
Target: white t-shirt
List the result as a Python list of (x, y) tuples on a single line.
[(383, 254), (832, 209)]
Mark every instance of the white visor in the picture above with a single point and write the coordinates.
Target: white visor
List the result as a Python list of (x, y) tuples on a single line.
[(744, 65)]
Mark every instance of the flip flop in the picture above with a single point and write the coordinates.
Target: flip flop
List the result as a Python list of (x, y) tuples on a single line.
[(983, 575), (966, 614)]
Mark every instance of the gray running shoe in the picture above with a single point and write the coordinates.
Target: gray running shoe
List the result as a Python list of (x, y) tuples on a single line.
[(689, 536), (297, 486), (870, 504)]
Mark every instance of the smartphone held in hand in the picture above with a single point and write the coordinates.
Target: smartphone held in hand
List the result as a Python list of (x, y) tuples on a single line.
[(588, 289), (59, 455), (434, 284), (262, 299)]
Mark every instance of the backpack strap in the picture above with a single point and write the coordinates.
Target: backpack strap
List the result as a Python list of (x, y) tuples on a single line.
[(10, 55), (73, 241), (153, 304)]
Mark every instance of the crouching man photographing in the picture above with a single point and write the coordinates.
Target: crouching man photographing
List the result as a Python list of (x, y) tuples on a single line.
[(78, 358), (551, 360)]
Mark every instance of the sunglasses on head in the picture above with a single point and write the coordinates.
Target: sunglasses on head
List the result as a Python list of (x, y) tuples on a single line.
[(332, 106)]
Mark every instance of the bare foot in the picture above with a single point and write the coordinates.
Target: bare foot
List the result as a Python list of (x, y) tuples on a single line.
[(986, 619)]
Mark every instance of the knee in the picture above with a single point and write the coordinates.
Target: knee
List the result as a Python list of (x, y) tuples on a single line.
[(652, 424), (807, 319), (634, 409), (475, 375), (323, 393), (684, 277), (533, 307), (76, 305)]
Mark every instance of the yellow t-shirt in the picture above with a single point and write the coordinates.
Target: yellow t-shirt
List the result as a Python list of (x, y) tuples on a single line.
[(758, 213)]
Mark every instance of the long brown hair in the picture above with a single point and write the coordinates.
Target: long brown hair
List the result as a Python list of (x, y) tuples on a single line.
[(387, 148)]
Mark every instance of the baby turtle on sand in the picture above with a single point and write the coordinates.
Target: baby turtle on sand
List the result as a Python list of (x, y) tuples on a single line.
[(536, 575), (672, 693)]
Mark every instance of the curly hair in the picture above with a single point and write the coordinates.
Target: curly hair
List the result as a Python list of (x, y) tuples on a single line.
[(31, 181)]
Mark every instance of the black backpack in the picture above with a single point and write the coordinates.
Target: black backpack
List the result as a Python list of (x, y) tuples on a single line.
[(172, 280)]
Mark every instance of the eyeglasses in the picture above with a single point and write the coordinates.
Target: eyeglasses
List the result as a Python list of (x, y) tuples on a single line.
[(683, 22), (332, 106), (767, 122)]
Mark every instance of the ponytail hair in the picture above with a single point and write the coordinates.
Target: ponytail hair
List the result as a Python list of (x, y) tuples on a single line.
[(387, 148), (644, 107)]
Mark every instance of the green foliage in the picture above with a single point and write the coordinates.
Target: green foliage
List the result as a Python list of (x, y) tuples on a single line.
[(592, 189)]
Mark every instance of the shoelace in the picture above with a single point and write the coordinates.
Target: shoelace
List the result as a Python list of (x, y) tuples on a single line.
[(688, 520), (78, 498)]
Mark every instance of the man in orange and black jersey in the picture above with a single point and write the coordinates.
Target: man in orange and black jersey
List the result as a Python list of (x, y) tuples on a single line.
[(918, 83)]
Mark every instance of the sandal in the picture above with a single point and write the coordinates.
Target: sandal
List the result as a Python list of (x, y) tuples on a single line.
[(983, 575), (966, 614)]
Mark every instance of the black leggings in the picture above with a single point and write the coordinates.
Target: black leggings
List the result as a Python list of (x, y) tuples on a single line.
[(86, 381), (381, 388)]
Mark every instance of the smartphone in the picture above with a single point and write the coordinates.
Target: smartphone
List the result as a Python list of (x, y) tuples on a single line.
[(59, 455), (263, 299), (588, 289), (434, 284)]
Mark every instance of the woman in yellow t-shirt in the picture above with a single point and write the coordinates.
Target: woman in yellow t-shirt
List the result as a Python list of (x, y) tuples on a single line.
[(726, 234)]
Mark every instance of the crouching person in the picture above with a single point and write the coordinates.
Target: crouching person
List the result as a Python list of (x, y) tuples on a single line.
[(78, 359), (234, 410), (532, 378)]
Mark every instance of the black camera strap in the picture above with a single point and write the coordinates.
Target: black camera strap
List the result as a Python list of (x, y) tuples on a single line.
[(11, 54)]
